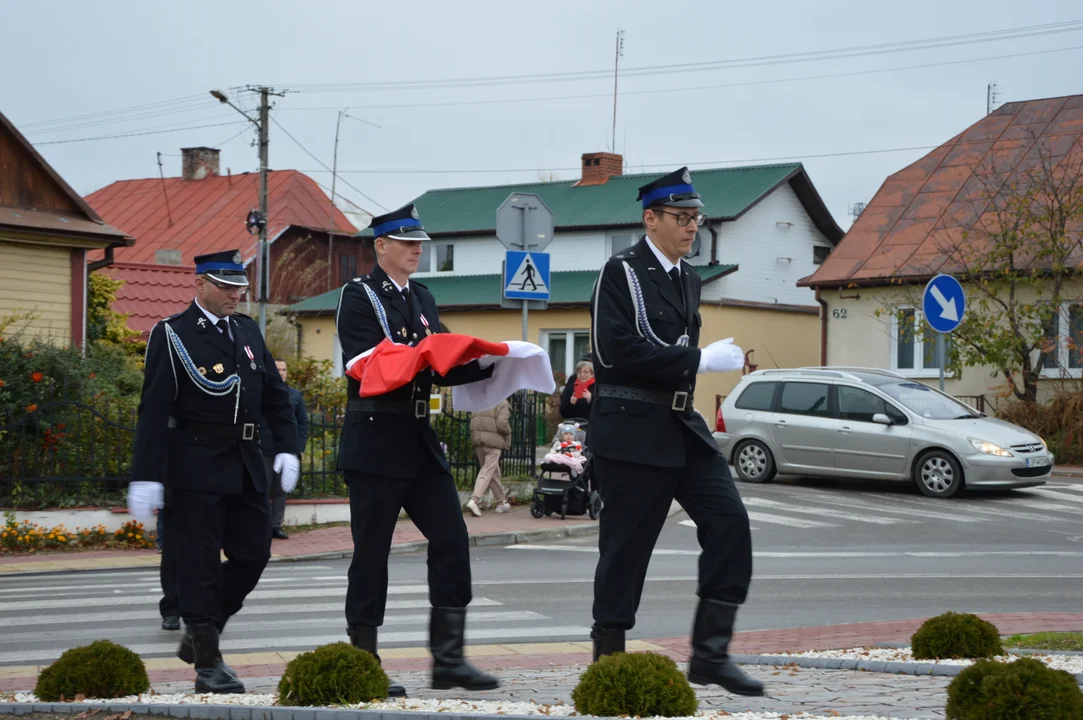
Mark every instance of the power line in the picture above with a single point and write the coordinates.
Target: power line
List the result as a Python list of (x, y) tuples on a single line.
[(655, 91), (145, 106), (782, 158), (136, 134), (321, 162), (757, 61)]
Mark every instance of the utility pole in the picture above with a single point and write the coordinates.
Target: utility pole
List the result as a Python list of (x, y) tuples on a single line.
[(331, 213), (616, 69), (264, 251), (261, 221), (990, 98)]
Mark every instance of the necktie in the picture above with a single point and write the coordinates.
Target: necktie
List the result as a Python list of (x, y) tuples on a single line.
[(675, 276), (406, 299), (223, 325)]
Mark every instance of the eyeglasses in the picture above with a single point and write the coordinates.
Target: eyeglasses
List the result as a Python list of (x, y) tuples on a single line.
[(683, 218), (228, 288)]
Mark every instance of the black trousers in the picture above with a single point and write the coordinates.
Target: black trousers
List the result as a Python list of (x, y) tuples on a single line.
[(205, 525), (167, 569), (278, 495), (432, 502), (637, 500)]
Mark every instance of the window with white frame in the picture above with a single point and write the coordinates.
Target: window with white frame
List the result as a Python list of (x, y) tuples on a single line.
[(620, 241), (566, 348), (913, 344), (1064, 335), (437, 257)]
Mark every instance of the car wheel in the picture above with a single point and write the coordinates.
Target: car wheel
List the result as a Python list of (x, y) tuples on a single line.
[(754, 462), (937, 474)]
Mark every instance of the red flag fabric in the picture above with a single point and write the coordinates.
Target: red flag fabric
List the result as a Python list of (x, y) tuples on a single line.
[(390, 365)]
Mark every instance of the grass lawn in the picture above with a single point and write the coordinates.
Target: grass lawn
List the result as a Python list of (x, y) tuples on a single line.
[(1047, 641)]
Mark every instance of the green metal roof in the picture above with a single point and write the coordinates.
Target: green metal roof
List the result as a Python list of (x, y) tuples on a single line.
[(469, 291), (726, 193)]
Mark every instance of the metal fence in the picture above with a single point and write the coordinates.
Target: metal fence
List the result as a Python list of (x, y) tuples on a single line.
[(78, 452)]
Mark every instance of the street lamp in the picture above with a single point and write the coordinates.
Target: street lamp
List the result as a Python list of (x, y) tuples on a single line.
[(264, 253)]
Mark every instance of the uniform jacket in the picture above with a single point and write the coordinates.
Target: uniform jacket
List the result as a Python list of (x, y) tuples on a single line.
[(492, 428), (633, 430), (300, 414), (195, 459), (387, 444)]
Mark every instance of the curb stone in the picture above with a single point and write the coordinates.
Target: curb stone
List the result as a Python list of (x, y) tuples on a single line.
[(509, 537), (1010, 651), (250, 712), (881, 666)]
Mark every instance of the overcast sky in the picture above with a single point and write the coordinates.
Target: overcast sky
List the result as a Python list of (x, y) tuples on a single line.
[(65, 59)]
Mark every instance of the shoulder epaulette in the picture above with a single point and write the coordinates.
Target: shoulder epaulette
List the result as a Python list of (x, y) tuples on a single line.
[(362, 279)]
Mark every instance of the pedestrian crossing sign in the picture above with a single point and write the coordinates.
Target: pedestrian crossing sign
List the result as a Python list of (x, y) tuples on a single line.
[(526, 275)]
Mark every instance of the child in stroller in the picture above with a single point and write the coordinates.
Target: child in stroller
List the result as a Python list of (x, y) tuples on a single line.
[(565, 482)]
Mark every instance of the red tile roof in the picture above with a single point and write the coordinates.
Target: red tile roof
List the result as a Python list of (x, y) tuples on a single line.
[(151, 292), (923, 209), (208, 215)]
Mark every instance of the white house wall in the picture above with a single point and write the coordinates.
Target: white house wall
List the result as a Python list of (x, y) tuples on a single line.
[(772, 256), (482, 255)]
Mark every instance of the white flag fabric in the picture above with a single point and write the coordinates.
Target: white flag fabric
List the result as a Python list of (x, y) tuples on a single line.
[(524, 367)]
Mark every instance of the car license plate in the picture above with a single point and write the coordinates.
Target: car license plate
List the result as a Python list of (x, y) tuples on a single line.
[(1038, 461)]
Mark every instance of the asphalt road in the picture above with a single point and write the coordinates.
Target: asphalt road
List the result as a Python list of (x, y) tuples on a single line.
[(825, 552)]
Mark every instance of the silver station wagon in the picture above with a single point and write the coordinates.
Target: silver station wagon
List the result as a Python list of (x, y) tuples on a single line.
[(869, 423)]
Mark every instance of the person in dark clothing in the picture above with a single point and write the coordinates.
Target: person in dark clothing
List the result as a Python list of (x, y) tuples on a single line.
[(576, 398), (266, 443)]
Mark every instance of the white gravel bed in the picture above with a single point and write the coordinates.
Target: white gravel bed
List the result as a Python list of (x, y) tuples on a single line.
[(1071, 663), (461, 707)]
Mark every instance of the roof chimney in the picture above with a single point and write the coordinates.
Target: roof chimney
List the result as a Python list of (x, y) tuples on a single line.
[(198, 162), (599, 167)]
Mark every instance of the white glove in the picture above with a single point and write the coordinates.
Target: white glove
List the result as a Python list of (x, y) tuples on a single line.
[(720, 356), (144, 498), (289, 467)]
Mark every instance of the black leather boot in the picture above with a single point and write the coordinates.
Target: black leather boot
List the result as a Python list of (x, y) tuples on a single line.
[(187, 653), (364, 638), (607, 641), (711, 663), (212, 676), (447, 634)]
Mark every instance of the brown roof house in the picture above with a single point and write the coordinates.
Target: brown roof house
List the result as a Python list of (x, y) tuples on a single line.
[(999, 207), (46, 230)]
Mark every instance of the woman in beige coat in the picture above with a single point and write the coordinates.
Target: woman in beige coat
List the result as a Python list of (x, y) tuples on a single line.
[(490, 433)]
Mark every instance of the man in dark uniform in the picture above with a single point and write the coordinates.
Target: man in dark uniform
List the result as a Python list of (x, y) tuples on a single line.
[(650, 446), (208, 380), (392, 458)]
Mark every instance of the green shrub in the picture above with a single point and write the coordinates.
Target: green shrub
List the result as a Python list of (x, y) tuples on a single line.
[(634, 684), (100, 670), (1022, 690), (335, 674), (956, 635)]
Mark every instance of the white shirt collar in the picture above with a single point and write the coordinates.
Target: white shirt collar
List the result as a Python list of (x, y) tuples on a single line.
[(665, 262), (398, 287), (210, 316)]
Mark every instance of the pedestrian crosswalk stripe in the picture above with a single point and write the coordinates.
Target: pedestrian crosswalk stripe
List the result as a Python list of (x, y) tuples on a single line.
[(783, 520), (1054, 495), (891, 509), (823, 512), (1052, 506)]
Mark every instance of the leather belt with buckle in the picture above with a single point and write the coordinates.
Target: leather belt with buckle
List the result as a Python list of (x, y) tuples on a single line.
[(417, 408), (679, 400), (245, 431)]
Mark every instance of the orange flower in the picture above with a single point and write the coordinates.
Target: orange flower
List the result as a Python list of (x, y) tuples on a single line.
[(37, 376), (92, 375), (32, 407), (1, 383)]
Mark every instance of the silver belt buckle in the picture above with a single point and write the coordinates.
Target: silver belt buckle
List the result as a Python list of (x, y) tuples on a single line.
[(421, 408), (680, 401), (248, 431)]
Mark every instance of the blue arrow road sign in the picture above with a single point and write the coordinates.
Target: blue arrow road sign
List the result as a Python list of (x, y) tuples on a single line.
[(526, 275), (943, 303)]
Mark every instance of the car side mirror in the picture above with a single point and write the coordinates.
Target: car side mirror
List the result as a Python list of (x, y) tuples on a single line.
[(882, 419)]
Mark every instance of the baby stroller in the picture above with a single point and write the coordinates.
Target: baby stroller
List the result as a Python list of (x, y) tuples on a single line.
[(562, 489)]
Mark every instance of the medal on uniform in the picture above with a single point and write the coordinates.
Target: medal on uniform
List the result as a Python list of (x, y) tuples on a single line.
[(202, 371), (248, 352), (428, 330), (219, 368)]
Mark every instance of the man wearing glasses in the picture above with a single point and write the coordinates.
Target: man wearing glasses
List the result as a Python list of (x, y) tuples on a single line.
[(208, 379), (651, 447)]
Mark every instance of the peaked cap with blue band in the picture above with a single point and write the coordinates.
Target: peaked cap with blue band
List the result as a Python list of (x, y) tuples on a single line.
[(674, 189), (402, 224), (225, 267)]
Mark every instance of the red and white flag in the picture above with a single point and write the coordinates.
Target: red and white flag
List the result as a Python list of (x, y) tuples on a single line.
[(518, 366)]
